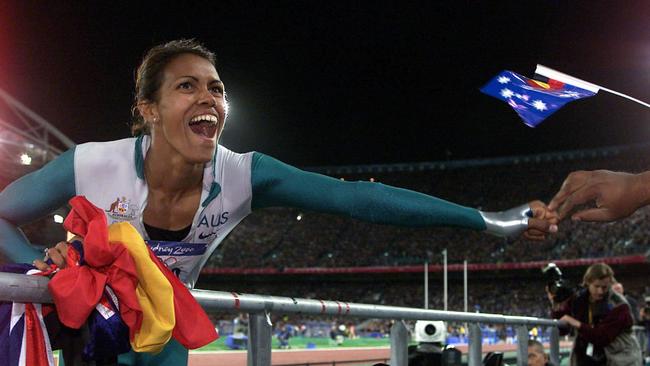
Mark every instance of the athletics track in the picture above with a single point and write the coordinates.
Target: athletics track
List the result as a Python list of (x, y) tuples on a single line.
[(286, 357)]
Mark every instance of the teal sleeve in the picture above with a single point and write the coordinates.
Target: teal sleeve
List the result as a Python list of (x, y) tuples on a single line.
[(31, 197), (278, 184)]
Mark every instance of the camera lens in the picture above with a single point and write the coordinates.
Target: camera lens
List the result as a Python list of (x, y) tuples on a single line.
[(430, 329)]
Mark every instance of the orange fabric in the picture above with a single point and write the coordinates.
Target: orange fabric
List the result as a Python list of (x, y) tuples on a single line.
[(193, 327)]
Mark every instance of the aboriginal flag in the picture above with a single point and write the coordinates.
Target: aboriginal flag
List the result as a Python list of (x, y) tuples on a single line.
[(536, 99)]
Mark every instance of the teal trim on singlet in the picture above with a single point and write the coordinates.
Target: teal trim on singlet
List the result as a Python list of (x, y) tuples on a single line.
[(278, 184), (31, 197), (138, 158), (215, 189)]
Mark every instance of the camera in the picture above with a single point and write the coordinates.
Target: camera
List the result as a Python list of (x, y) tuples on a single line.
[(556, 284), (430, 331), (430, 350)]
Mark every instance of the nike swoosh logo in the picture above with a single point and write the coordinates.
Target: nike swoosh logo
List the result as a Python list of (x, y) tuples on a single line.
[(201, 236)]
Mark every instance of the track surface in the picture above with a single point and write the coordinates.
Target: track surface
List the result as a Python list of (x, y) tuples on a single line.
[(286, 357)]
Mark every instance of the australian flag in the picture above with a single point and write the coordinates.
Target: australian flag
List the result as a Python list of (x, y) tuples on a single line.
[(24, 340), (535, 99)]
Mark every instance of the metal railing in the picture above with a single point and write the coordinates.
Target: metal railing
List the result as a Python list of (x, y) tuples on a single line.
[(23, 288), (334, 363)]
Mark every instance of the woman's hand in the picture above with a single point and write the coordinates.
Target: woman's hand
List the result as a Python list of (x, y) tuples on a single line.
[(543, 222), (57, 254)]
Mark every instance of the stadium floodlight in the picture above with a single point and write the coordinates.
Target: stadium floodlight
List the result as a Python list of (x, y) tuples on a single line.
[(299, 217), (58, 219), (25, 159), (27, 140), (35, 129)]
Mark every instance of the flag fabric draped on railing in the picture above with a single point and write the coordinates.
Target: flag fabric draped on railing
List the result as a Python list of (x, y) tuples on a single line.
[(114, 285)]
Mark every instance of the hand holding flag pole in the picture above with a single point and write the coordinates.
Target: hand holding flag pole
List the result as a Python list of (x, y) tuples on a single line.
[(536, 99)]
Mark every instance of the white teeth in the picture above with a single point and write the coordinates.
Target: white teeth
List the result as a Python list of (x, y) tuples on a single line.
[(205, 117)]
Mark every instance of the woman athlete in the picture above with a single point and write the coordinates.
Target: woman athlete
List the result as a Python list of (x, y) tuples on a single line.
[(184, 192)]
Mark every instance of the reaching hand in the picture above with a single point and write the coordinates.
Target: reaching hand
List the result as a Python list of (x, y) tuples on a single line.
[(542, 223), (617, 195), (571, 321)]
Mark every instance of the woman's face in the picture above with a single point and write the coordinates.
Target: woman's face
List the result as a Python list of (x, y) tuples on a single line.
[(191, 109), (598, 288)]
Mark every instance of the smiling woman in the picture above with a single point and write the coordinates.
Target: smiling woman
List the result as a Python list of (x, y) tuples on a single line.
[(184, 192), (189, 109)]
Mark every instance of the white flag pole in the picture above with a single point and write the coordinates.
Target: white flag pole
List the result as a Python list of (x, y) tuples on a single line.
[(568, 79), (626, 96)]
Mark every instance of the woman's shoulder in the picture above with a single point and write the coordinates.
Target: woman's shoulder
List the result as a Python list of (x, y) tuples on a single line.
[(107, 153), (229, 157), (224, 150), (115, 145)]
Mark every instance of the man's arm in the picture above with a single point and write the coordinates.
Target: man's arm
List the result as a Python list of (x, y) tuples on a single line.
[(617, 195), (560, 310), (31, 197)]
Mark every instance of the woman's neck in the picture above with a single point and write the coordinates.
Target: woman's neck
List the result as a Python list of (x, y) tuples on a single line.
[(170, 173)]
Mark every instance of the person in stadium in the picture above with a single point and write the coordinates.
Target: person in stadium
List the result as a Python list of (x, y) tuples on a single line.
[(616, 195), (602, 320), (536, 354), (634, 307), (184, 192)]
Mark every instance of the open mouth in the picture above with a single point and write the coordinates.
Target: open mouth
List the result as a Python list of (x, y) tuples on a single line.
[(204, 125)]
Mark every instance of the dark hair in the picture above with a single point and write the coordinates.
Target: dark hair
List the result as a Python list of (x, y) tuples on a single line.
[(149, 75), (598, 271)]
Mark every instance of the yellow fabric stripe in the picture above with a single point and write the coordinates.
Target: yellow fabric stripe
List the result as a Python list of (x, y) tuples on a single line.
[(541, 84), (154, 292)]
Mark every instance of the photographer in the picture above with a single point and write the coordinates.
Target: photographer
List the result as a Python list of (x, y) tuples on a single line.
[(602, 320)]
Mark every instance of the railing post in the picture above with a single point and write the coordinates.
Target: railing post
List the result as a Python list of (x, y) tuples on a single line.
[(259, 339), (555, 345), (475, 344), (399, 344), (522, 345)]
